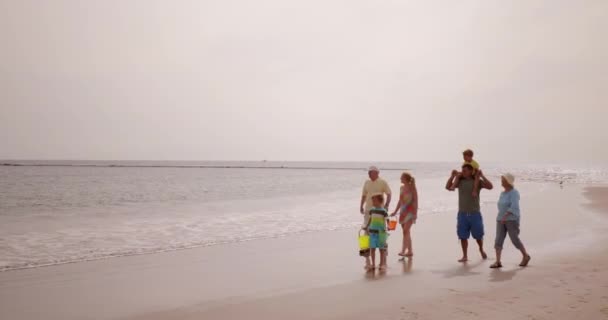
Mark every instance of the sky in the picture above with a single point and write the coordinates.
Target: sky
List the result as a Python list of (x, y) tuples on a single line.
[(327, 80)]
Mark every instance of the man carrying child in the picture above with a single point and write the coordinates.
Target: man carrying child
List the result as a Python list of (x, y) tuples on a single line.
[(470, 221)]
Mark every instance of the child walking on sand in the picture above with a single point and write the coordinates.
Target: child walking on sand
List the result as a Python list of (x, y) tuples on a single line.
[(376, 227), (408, 211), (467, 155)]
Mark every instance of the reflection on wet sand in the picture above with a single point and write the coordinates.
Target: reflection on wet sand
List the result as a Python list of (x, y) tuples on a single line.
[(463, 270), (407, 264)]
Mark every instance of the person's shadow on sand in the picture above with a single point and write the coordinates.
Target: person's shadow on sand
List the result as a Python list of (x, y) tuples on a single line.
[(499, 275), (464, 270)]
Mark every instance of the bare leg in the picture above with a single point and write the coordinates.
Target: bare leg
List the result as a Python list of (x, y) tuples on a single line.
[(407, 238), (404, 242), (497, 264), (483, 253), (498, 255), (523, 251), (465, 246), (382, 259), (525, 257), (373, 254)]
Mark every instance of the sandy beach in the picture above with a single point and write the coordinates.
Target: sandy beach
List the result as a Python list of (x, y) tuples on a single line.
[(296, 278), (215, 160)]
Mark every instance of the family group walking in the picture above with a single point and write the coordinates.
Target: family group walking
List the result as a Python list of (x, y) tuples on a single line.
[(470, 180)]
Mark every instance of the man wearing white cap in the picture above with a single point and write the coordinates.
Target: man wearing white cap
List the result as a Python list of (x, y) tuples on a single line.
[(374, 186)]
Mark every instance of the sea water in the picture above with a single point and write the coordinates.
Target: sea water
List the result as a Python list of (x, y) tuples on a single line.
[(60, 212)]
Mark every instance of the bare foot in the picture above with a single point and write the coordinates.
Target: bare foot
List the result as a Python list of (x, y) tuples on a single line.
[(382, 267), (409, 255), (402, 254), (484, 256), (525, 261), (464, 259)]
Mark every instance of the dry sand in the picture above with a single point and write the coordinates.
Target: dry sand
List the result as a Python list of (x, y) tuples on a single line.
[(296, 278)]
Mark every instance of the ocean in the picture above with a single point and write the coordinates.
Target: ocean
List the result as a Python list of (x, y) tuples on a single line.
[(54, 212)]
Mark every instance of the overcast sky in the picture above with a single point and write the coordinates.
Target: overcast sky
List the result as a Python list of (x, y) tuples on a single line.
[(391, 80)]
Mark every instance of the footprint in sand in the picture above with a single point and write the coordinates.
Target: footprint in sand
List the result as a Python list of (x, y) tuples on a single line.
[(467, 312), (604, 311), (406, 315)]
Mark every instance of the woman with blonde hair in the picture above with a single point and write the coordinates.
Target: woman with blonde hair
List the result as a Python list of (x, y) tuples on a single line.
[(408, 211)]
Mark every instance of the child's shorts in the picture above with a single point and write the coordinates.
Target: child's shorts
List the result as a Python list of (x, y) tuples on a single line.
[(377, 240)]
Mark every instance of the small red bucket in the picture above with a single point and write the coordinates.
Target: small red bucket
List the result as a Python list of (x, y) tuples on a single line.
[(392, 224)]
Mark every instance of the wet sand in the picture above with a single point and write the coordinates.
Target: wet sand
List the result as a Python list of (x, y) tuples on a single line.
[(567, 287), (598, 197), (296, 278)]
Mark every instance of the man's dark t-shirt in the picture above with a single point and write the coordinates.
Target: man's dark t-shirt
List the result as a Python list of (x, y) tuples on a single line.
[(466, 201)]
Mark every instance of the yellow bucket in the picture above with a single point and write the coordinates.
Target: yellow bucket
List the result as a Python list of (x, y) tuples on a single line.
[(363, 241)]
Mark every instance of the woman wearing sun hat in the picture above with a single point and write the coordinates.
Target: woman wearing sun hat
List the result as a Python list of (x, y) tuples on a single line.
[(507, 221)]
